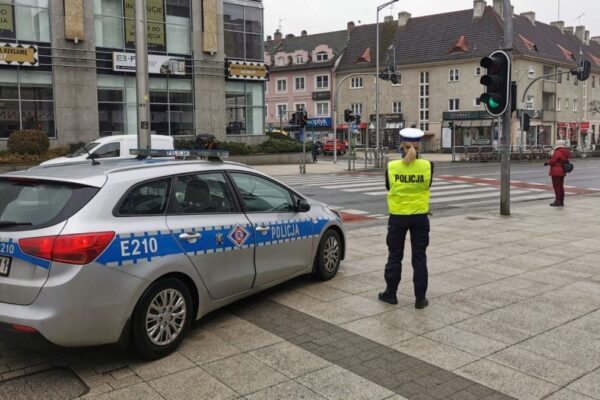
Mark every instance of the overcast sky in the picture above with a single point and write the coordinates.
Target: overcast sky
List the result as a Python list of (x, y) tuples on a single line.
[(318, 16)]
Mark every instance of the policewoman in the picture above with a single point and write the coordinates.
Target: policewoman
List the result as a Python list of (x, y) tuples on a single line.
[(408, 182)]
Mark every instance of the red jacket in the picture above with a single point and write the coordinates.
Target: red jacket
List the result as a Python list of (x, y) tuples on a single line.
[(561, 155)]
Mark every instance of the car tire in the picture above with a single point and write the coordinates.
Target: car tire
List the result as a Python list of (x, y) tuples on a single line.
[(149, 339), (329, 256)]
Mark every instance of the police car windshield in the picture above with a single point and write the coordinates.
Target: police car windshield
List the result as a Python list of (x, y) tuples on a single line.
[(82, 150)]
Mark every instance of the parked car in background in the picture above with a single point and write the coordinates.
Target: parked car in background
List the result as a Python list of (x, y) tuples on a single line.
[(112, 147), (340, 147)]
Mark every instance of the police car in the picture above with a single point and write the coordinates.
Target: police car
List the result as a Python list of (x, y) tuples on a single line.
[(133, 251)]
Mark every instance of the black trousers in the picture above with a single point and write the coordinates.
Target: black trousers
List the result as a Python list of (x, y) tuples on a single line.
[(418, 226)]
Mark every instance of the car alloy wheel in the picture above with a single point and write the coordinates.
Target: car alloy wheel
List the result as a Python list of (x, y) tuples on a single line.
[(331, 254), (166, 317)]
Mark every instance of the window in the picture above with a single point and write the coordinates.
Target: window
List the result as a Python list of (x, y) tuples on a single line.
[(477, 71), (203, 193), (322, 81), (26, 101), (322, 108), (149, 198), (424, 101), (281, 85), (281, 111), (453, 75), (357, 108), (300, 106), (244, 108), (476, 102), (280, 61), (547, 70), (168, 24), (574, 104), (558, 104), (322, 56), (559, 76), (356, 83), (453, 105), (108, 150), (25, 20), (566, 104), (397, 107), (243, 31), (299, 59), (299, 84), (261, 195)]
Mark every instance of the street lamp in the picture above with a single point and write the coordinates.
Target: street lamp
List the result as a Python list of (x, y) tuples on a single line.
[(379, 8)]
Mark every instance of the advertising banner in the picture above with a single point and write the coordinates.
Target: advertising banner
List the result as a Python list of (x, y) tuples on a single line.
[(155, 17), (7, 21), (125, 62), (22, 55), (246, 70)]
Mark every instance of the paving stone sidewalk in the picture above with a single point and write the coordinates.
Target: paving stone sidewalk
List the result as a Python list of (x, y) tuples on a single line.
[(514, 313)]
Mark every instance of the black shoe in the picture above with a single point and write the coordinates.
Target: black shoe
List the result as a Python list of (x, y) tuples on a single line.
[(556, 204), (421, 303), (388, 297)]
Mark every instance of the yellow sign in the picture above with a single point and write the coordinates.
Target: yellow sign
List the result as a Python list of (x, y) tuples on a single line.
[(155, 17), (16, 54), (7, 23), (247, 70)]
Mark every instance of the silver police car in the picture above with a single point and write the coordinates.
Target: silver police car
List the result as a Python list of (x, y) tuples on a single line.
[(132, 252)]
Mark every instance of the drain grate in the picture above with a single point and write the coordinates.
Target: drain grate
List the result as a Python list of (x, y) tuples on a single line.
[(52, 384)]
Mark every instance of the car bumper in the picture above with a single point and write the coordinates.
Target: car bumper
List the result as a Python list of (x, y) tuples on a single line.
[(89, 307)]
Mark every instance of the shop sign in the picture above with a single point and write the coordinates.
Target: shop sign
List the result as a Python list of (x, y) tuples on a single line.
[(155, 15), (464, 115), (246, 70), (125, 62), (24, 55), (7, 21), (319, 122), (397, 117), (321, 95)]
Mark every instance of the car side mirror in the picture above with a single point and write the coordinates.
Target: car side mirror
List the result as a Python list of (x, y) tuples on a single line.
[(302, 205)]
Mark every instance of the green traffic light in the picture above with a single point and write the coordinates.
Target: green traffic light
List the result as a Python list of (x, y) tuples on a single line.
[(492, 103)]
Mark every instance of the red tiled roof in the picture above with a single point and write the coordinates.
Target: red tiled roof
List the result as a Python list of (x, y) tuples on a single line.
[(568, 54), (528, 43)]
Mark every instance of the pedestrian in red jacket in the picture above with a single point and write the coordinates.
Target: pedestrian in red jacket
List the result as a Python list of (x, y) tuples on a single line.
[(559, 156)]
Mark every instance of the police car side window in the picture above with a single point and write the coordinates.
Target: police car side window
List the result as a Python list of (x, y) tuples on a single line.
[(149, 198), (261, 195), (202, 193)]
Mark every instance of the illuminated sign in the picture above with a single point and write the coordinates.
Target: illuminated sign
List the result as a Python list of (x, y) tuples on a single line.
[(246, 70)]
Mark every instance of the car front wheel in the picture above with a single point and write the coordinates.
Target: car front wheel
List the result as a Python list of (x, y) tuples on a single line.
[(329, 256), (161, 318)]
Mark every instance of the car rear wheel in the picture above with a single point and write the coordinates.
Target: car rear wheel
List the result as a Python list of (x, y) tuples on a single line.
[(329, 256), (161, 318)]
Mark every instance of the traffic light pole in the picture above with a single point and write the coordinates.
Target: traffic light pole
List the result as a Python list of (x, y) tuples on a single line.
[(506, 120)]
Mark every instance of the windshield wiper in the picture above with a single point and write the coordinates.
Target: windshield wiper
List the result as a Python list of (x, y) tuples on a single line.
[(13, 223)]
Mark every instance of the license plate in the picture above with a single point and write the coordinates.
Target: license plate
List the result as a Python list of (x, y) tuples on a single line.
[(5, 265)]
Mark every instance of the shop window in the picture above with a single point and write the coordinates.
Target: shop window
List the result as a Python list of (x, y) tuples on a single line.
[(168, 25), (244, 108), (25, 20), (171, 106), (26, 102)]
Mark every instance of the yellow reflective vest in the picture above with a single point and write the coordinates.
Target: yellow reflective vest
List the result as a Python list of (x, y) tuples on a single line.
[(409, 187)]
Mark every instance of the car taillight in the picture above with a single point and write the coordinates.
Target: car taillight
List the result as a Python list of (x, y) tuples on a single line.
[(77, 249)]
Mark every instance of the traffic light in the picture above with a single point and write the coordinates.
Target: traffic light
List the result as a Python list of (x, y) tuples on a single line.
[(357, 119), (302, 118), (395, 78), (582, 71), (384, 74), (497, 82), (294, 120), (348, 115)]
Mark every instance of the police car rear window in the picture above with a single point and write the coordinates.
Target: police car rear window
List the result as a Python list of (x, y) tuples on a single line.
[(27, 204)]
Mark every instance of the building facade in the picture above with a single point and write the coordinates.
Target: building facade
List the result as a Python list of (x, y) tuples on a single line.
[(302, 77), (75, 79), (439, 79)]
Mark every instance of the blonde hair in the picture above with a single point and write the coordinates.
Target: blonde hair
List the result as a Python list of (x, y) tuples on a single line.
[(410, 151)]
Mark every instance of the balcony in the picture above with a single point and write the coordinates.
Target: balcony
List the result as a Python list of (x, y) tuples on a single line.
[(549, 86)]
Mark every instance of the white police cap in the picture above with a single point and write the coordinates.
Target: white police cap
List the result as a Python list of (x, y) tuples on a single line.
[(411, 135)]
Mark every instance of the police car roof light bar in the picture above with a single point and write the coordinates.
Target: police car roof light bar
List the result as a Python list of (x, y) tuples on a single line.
[(211, 155)]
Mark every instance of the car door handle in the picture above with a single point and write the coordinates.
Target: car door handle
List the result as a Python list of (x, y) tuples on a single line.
[(190, 237), (263, 229)]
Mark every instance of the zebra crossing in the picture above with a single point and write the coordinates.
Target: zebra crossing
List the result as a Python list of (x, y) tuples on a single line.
[(445, 192)]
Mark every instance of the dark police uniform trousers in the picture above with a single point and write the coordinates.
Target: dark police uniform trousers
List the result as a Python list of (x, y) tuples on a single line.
[(398, 226)]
